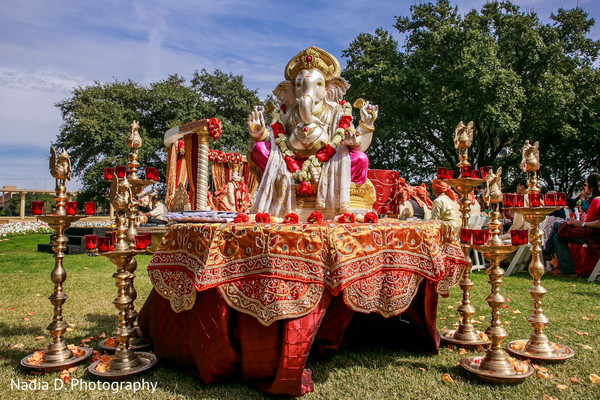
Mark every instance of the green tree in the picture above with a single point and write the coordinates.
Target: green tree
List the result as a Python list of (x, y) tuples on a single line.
[(96, 121), (15, 202), (514, 76)]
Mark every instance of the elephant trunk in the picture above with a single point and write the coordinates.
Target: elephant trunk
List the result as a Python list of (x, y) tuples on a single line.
[(305, 105)]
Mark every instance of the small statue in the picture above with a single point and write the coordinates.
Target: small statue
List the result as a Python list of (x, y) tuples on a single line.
[(134, 140), (120, 193), (463, 136), (60, 168), (531, 157), (181, 199), (493, 189)]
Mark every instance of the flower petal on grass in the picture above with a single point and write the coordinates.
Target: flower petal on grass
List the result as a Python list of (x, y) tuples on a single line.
[(594, 378), (447, 378), (561, 386)]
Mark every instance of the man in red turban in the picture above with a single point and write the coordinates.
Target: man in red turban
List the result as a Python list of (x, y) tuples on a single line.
[(445, 206)]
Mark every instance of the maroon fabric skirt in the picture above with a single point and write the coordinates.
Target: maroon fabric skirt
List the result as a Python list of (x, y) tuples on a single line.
[(215, 342)]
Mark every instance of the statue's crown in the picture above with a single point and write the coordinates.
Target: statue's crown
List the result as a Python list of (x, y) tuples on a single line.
[(313, 58)]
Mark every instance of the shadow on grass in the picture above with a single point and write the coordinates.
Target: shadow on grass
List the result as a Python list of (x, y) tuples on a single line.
[(102, 322)]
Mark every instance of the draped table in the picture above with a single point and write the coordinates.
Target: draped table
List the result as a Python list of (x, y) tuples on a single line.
[(253, 299)]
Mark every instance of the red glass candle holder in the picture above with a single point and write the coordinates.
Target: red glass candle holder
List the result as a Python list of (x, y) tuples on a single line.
[(441, 172), (120, 171), (561, 199), (508, 200), (519, 200), (103, 244), (465, 235), (113, 237), (90, 208), (150, 173), (475, 173), (37, 207), (449, 174), (140, 242), (465, 171), (90, 242), (524, 233), (156, 175), (484, 171), (478, 237), (550, 199), (108, 174), (515, 237), (148, 239), (486, 235), (534, 199), (71, 207)]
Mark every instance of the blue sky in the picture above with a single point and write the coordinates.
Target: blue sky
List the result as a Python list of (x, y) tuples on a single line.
[(49, 47)]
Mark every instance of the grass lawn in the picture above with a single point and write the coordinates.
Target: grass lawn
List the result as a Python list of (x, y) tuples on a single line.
[(369, 373)]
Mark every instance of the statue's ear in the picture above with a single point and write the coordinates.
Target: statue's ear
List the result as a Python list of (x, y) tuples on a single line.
[(336, 89), (285, 93)]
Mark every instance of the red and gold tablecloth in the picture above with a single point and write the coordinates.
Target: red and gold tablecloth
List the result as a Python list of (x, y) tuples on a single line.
[(280, 271), (254, 300)]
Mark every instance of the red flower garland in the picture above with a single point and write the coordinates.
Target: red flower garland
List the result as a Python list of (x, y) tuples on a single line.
[(241, 218), (277, 128), (346, 218), (371, 217), (214, 128), (292, 164), (325, 153), (263, 218), (291, 218), (222, 157), (315, 218), (305, 189)]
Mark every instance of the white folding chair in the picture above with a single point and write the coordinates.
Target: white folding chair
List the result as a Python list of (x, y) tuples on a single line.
[(478, 261), (519, 261), (595, 272)]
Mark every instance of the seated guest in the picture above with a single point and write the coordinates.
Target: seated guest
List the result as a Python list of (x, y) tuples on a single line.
[(573, 231), (415, 201), (445, 207), (156, 215)]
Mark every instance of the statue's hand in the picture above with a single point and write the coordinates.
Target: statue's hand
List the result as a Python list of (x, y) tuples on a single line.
[(351, 139), (256, 124), (368, 113)]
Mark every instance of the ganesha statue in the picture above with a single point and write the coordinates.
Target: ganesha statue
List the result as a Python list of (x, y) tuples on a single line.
[(311, 157)]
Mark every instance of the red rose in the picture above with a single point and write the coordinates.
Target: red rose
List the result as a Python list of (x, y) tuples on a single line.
[(277, 128), (342, 102), (325, 153), (291, 218), (371, 217), (305, 188), (346, 217), (282, 108), (345, 121), (241, 218), (315, 218), (263, 218), (292, 164)]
